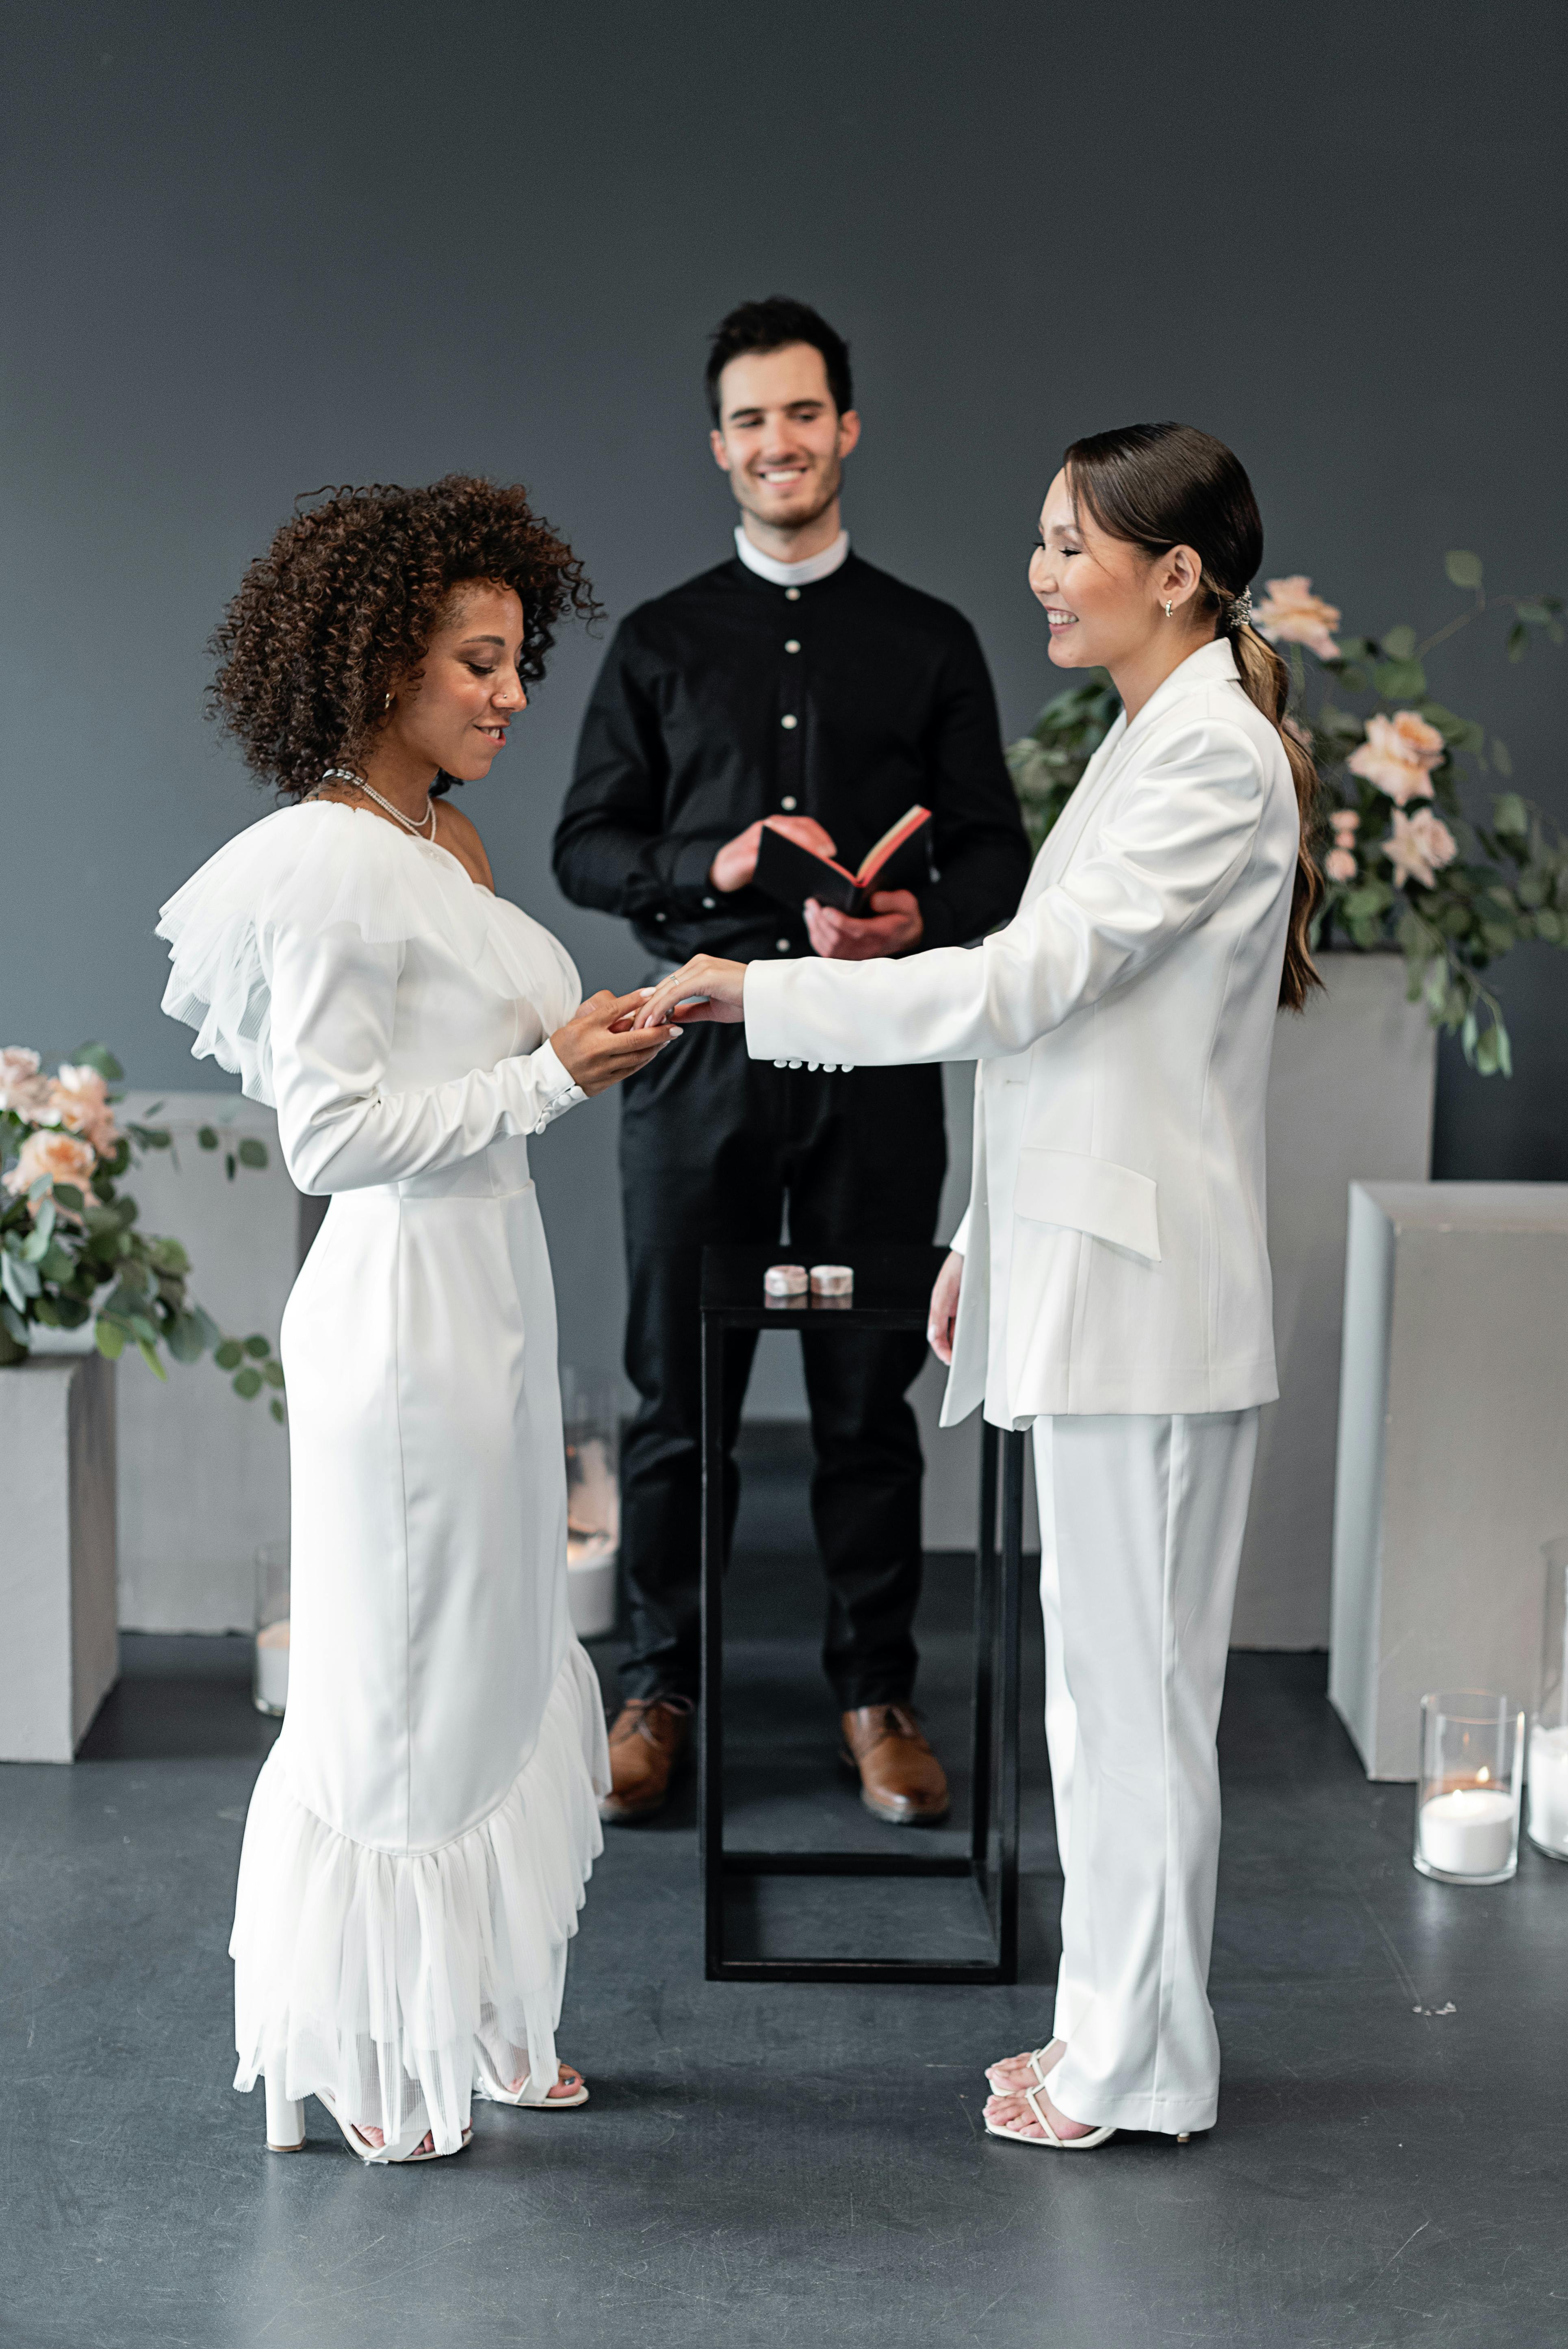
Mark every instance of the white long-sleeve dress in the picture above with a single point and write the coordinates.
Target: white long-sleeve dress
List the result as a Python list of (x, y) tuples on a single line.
[(420, 1834)]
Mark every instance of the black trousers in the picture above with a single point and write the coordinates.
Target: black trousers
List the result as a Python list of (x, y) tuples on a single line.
[(712, 1143)]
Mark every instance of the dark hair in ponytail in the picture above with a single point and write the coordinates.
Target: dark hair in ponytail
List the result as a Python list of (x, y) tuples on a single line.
[(1162, 486)]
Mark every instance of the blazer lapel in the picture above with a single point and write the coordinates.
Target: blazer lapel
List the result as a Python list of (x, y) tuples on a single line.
[(1069, 828), (1199, 670)]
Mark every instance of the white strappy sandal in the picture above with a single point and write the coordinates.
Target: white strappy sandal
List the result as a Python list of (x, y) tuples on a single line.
[(1036, 2060), (378, 2156), (489, 2086), (1032, 2097), (285, 2132)]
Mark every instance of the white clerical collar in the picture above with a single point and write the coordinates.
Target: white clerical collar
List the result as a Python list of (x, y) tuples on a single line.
[(793, 575)]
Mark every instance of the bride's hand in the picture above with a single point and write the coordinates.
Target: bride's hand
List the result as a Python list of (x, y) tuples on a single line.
[(707, 989), (599, 1046), (944, 1310)]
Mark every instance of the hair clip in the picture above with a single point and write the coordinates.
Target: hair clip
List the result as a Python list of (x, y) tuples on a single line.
[(1241, 611)]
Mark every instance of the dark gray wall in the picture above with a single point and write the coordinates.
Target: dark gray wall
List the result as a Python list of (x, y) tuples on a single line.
[(247, 252)]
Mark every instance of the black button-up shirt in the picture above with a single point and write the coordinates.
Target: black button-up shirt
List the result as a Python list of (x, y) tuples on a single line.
[(730, 698)]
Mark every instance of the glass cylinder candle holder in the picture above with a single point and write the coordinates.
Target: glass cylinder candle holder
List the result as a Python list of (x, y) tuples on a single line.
[(589, 1409), (1547, 1813), (1468, 1800), (269, 1684)]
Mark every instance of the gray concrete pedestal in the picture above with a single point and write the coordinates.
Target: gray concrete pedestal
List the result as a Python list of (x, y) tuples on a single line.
[(59, 1652)]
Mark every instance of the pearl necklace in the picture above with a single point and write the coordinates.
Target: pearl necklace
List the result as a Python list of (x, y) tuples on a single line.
[(347, 775)]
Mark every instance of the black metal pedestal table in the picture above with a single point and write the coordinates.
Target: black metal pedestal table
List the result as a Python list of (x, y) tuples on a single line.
[(891, 1291)]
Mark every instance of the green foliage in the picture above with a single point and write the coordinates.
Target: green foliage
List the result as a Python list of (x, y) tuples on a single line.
[(1507, 879), (71, 1253), (1047, 764)]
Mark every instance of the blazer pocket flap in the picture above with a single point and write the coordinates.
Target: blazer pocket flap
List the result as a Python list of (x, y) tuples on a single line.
[(1090, 1195)]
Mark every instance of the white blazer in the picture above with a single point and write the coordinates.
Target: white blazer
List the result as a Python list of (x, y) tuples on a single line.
[(1115, 1249)]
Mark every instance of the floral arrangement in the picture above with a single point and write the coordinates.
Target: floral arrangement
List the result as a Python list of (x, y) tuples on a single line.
[(1405, 869), (67, 1231)]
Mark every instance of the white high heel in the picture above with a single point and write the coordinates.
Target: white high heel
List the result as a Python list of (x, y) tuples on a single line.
[(381, 2156), (286, 2118), (1036, 2059), (1033, 2098), (489, 2086)]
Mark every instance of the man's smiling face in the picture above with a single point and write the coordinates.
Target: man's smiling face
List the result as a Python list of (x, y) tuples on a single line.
[(779, 436)]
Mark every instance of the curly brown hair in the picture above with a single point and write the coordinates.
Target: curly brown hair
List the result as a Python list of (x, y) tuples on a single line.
[(345, 602)]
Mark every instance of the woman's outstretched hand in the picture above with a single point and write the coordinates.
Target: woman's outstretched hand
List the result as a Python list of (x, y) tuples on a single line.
[(600, 1045), (708, 988), (944, 1310)]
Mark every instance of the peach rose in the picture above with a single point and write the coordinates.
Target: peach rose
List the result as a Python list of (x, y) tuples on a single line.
[(1419, 846), (62, 1157), (1399, 755), (1340, 865), (79, 1098), (1290, 614), (1346, 823), (22, 1089)]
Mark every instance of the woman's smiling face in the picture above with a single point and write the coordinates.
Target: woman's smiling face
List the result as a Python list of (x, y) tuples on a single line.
[(468, 690), (1099, 592)]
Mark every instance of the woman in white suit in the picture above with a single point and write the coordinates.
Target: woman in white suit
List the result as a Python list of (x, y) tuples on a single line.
[(1109, 1283)]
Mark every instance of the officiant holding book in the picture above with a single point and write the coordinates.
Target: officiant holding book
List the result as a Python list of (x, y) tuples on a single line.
[(798, 687)]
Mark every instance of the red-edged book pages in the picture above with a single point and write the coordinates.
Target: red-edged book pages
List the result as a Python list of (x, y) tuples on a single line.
[(791, 873)]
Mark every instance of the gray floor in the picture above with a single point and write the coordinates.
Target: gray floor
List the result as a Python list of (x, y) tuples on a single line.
[(789, 2166)]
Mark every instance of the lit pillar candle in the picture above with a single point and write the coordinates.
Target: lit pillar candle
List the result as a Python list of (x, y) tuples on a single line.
[(1549, 1789), (1468, 1831), (273, 1666)]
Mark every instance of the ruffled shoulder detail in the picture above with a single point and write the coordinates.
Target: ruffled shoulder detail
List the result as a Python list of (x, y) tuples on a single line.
[(322, 866)]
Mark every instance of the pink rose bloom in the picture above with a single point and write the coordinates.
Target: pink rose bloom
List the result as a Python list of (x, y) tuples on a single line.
[(1340, 865), (78, 1098), (62, 1157), (22, 1089), (1346, 823), (1398, 755), (1290, 614), (1419, 847)]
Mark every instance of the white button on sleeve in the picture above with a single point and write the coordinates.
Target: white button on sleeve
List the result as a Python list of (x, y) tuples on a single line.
[(788, 721)]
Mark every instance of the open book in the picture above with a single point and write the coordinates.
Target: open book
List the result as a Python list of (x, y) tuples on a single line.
[(791, 873)]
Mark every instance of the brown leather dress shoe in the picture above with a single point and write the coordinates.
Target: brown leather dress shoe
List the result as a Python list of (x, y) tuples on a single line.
[(901, 1781), (645, 1744)]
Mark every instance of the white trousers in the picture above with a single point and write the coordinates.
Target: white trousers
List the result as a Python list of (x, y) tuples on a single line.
[(1140, 1537)]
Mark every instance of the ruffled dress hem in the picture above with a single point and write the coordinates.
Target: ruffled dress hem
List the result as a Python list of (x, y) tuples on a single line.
[(390, 1980)]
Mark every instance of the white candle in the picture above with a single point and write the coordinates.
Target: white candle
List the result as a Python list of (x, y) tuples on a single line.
[(1549, 1788), (1468, 1831), (273, 1666)]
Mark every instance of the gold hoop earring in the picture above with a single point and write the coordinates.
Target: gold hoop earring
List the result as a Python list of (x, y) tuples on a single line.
[(1169, 613)]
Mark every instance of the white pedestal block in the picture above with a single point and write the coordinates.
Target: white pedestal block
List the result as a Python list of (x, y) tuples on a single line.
[(1351, 1088), (59, 1655), (1453, 1450), (204, 1477)]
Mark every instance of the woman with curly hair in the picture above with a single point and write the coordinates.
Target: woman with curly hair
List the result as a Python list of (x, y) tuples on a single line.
[(419, 1836)]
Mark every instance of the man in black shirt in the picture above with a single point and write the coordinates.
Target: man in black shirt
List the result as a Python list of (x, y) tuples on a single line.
[(796, 685)]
